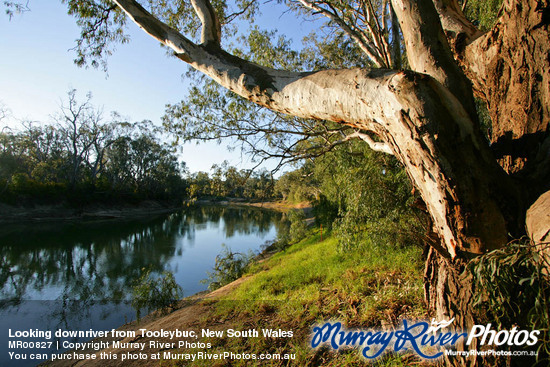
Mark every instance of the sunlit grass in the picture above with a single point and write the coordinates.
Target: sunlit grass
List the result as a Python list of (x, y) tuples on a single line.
[(312, 282), (367, 280)]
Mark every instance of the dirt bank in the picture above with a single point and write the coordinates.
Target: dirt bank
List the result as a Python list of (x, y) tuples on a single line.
[(279, 205), (15, 214)]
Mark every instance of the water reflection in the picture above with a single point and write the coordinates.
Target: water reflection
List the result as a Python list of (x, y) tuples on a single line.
[(100, 260)]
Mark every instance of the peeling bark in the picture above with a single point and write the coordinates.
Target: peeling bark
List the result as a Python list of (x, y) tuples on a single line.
[(450, 291), (509, 67)]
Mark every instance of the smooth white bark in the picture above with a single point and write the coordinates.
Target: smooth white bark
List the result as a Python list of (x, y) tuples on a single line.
[(211, 30)]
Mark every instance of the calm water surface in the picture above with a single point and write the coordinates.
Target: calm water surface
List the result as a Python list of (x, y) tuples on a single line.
[(79, 275)]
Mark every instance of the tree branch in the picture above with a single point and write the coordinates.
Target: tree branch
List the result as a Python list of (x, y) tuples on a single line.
[(396, 39), (374, 145), (428, 50), (211, 30), (370, 51), (229, 18), (459, 30)]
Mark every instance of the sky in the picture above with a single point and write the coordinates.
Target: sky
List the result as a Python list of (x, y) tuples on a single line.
[(37, 71)]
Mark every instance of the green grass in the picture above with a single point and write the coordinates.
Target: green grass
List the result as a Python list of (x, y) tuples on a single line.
[(312, 282), (355, 283)]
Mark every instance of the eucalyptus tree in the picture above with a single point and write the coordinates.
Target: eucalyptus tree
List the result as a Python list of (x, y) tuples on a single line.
[(80, 124), (45, 151), (137, 160), (477, 182)]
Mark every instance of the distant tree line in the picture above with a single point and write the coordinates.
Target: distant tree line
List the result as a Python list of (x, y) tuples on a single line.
[(226, 181), (81, 157)]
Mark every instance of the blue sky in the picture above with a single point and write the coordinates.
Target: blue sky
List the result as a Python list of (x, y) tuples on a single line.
[(37, 70)]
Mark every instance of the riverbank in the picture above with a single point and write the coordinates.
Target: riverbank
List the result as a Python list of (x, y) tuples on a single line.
[(279, 205), (56, 212), (308, 283), (18, 214), (10, 214)]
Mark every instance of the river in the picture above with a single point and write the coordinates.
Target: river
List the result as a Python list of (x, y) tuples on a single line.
[(78, 275)]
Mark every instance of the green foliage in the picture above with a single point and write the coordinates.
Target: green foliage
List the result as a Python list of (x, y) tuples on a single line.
[(269, 49), (325, 211), (484, 118), (155, 293), (83, 158), (229, 266), (364, 196), (293, 230), (102, 28), (514, 287), (144, 165), (295, 187), (226, 181), (337, 51), (298, 228), (483, 13), (15, 7)]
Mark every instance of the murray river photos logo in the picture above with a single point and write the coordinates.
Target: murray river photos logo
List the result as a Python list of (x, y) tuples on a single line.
[(428, 340)]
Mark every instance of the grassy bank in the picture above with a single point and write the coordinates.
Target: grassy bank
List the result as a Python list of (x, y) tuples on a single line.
[(312, 282)]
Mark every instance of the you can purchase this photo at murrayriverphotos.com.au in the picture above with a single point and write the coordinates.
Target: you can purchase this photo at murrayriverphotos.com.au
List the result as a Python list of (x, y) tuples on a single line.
[(275, 183)]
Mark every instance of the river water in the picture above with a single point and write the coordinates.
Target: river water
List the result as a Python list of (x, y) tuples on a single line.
[(79, 275)]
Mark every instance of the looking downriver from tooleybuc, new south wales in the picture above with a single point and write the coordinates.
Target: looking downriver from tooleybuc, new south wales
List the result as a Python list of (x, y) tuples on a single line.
[(79, 275)]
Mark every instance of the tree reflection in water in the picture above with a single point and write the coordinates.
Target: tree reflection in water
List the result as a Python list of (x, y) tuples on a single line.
[(99, 260)]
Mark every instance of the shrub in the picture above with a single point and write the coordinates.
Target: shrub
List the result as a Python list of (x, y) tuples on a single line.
[(155, 293), (514, 288), (298, 228), (229, 266)]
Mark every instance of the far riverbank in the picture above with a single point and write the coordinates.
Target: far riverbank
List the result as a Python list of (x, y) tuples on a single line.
[(56, 212), (279, 205)]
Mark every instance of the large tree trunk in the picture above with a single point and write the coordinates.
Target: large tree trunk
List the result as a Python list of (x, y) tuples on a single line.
[(450, 290), (514, 79), (425, 125), (509, 67)]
